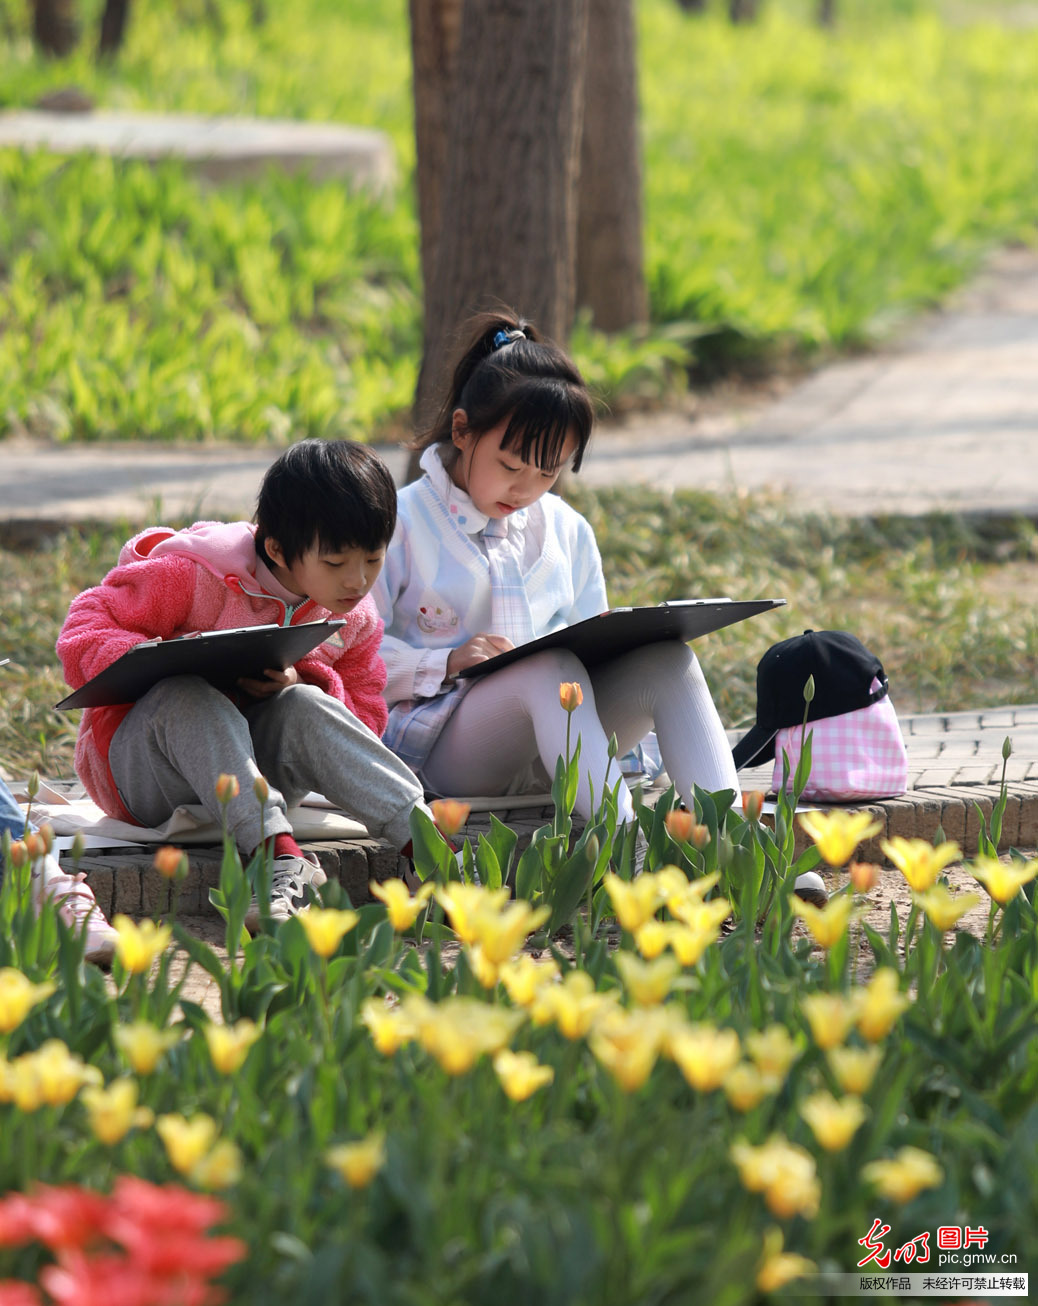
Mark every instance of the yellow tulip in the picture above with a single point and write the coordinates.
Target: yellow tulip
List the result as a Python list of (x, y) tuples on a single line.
[(652, 938), (777, 1268), (502, 933), (783, 1172), (229, 1044), (60, 1074), (220, 1168), (880, 1004), (458, 1031), (698, 915), (113, 1111), (1001, 879), (358, 1163), (138, 946), (704, 1055), (627, 1044), (830, 1017), (838, 833), (688, 943), (943, 908), (524, 977), (745, 1086), (854, 1068), (904, 1175), (186, 1141), (18, 996), (634, 901), (918, 861), (833, 1121), (827, 924), (449, 815), (142, 1044), (647, 982), (571, 1006), (674, 885), (521, 1074), (390, 1027), (326, 927), (773, 1050), (401, 908), (466, 904)]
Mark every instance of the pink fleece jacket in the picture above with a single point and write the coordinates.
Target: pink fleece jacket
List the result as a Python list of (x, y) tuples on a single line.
[(207, 577)]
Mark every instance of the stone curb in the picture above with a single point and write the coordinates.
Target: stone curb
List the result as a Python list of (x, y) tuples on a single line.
[(126, 881)]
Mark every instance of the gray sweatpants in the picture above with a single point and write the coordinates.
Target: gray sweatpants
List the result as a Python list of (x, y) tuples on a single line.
[(183, 734)]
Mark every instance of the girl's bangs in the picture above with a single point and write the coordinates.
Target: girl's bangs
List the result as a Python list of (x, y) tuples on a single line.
[(539, 425)]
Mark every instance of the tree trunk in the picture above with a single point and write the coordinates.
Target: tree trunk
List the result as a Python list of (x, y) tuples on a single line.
[(743, 11), (113, 28), (55, 27), (508, 229), (610, 270), (435, 27), (827, 13)]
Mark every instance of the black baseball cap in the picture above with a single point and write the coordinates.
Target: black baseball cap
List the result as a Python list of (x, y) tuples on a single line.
[(843, 670)]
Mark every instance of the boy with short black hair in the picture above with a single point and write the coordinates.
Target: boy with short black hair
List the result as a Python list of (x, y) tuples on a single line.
[(325, 514)]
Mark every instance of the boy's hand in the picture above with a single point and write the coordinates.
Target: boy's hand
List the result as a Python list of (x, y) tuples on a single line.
[(272, 681), (480, 648)]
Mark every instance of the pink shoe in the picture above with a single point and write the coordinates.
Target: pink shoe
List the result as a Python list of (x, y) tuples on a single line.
[(77, 907)]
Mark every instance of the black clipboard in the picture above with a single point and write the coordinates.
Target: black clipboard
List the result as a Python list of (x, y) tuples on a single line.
[(220, 656), (602, 638)]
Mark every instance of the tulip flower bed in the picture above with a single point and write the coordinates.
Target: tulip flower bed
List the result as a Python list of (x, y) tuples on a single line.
[(622, 1089)]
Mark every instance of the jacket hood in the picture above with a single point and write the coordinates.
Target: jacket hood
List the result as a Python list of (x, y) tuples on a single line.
[(224, 548)]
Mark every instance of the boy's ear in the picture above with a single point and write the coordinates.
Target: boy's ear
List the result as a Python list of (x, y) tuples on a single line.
[(274, 551)]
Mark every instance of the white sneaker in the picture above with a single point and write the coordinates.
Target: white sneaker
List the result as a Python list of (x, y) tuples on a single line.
[(811, 888), (288, 888), (77, 906)]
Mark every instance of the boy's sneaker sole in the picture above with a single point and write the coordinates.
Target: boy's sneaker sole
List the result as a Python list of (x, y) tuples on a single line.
[(810, 888)]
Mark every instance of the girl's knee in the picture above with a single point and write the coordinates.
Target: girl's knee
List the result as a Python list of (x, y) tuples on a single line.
[(180, 695), (556, 666)]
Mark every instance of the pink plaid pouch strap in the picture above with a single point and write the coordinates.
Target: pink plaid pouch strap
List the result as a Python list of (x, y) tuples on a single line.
[(858, 754)]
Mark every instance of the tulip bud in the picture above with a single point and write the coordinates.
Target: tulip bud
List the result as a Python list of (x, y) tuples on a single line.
[(168, 861), (1007, 749), (752, 803), (19, 853), (864, 876), (700, 836), (227, 788), (679, 825), (78, 846), (33, 787), (809, 689), (570, 695), (261, 789), (449, 814)]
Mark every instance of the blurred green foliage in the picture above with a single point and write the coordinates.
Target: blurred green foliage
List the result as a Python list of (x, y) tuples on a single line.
[(805, 190)]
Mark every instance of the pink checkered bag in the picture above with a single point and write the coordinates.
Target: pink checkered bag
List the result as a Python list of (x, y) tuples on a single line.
[(859, 754)]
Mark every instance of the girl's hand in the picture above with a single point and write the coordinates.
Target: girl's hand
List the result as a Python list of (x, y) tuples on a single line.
[(479, 648), (272, 681)]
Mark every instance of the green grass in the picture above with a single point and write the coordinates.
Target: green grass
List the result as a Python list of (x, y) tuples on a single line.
[(936, 598), (805, 191)]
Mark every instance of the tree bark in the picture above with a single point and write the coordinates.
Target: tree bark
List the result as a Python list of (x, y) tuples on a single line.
[(435, 27), (113, 28), (508, 208), (55, 27), (610, 268)]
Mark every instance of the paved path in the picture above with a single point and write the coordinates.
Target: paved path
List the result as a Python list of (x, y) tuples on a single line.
[(946, 419)]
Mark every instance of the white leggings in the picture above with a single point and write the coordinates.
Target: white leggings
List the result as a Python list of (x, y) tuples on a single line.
[(512, 719)]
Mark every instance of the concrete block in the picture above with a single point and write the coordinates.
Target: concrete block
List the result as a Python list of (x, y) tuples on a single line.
[(127, 894), (1027, 835), (155, 892), (900, 814)]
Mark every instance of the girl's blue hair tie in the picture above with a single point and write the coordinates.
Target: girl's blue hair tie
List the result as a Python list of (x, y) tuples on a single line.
[(506, 337)]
